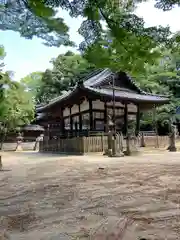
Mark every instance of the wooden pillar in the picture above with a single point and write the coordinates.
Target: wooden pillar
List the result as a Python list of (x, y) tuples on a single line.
[(128, 151), (48, 131), (105, 116), (137, 120), (125, 119), (91, 114), (155, 126), (62, 121), (80, 118), (71, 120)]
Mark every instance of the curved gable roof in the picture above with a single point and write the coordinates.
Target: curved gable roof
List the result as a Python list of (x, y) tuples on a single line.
[(101, 78)]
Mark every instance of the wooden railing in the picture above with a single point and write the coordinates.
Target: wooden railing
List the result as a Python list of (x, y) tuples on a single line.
[(156, 141)]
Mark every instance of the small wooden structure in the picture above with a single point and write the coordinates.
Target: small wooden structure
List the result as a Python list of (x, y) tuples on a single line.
[(84, 110), (32, 131)]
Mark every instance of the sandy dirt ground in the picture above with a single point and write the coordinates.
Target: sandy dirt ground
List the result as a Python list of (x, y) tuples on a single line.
[(90, 197)]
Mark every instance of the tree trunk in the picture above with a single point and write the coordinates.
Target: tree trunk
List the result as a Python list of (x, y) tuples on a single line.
[(2, 140)]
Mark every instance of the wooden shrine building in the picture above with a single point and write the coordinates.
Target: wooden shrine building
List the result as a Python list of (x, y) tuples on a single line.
[(85, 108)]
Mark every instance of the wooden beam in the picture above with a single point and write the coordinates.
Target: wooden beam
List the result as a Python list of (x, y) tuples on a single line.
[(137, 120), (91, 115), (105, 116), (80, 117), (71, 120), (155, 125), (125, 119), (62, 121)]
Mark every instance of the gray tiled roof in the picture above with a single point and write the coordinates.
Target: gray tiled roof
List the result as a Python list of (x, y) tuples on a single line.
[(105, 75), (40, 116), (98, 78), (90, 80), (133, 97), (54, 100), (33, 127)]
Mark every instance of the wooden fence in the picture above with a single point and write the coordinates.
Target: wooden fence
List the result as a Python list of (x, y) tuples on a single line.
[(69, 145), (156, 141), (89, 144)]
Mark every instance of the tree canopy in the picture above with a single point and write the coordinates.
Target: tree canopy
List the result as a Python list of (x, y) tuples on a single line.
[(16, 106), (34, 18), (163, 78), (32, 83), (113, 35), (167, 5), (67, 69), (39, 18)]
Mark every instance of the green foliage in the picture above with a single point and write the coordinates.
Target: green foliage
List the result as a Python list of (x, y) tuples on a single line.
[(38, 18), (167, 4), (46, 91), (66, 71), (162, 78), (125, 43), (2, 55), (130, 56), (33, 83), (34, 18), (16, 106)]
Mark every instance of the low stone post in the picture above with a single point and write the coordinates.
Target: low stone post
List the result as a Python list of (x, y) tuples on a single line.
[(128, 150), (37, 143), (19, 142), (142, 142), (108, 151)]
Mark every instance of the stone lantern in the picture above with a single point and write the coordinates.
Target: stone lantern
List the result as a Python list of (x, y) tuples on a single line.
[(112, 151)]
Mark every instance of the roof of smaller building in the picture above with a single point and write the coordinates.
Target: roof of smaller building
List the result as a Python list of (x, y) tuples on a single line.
[(33, 127)]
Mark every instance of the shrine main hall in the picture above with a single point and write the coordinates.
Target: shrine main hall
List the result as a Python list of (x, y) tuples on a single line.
[(86, 107)]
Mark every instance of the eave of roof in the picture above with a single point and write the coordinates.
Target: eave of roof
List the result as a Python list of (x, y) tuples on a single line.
[(57, 100), (92, 79), (33, 127), (132, 97), (40, 116)]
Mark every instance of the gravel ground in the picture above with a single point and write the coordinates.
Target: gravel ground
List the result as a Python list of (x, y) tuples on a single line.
[(90, 197)]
